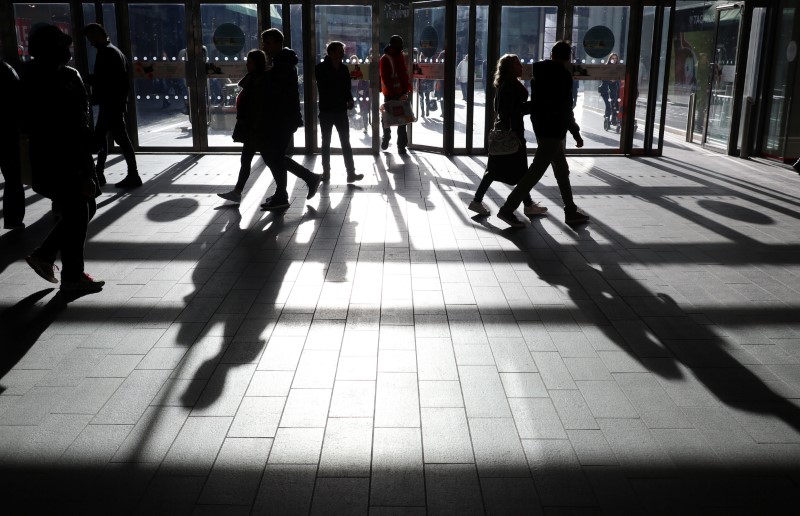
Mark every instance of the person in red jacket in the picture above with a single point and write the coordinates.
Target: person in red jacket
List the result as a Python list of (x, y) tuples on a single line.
[(395, 85)]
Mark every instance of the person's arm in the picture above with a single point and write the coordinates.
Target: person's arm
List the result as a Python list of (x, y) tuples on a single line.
[(347, 91)]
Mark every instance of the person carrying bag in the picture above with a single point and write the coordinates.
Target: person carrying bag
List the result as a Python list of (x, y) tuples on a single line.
[(508, 160), (395, 86)]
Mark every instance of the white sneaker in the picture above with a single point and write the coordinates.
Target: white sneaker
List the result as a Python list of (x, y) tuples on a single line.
[(232, 196), (479, 208), (535, 209)]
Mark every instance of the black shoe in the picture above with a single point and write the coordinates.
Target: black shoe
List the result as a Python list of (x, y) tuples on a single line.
[(271, 204), (509, 218), (326, 176), (14, 226), (384, 144), (313, 185), (352, 177), (130, 182), (402, 150), (575, 217), (796, 166)]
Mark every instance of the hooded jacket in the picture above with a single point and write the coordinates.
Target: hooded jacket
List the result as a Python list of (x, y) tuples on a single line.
[(551, 101), (56, 119), (276, 100), (333, 85), (394, 75)]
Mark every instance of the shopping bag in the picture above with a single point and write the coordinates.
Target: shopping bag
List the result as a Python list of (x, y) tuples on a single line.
[(397, 112)]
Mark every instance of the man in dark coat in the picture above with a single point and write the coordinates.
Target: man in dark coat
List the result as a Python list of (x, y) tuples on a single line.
[(13, 194), (278, 116), (56, 118), (551, 114), (110, 92), (335, 98)]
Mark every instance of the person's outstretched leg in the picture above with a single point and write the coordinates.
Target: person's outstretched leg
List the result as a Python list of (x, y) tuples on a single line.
[(572, 215), (343, 129), (541, 160), (476, 204), (402, 139)]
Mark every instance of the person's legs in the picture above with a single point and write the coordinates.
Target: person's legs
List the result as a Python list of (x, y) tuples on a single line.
[(248, 151), (76, 214), (464, 90), (607, 103), (326, 122), (100, 138), (402, 138), (483, 186), (387, 136), (14, 193), (120, 134), (275, 157), (561, 172), (541, 160), (343, 129)]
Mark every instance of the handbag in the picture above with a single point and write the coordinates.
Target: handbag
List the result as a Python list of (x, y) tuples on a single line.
[(433, 105), (502, 142)]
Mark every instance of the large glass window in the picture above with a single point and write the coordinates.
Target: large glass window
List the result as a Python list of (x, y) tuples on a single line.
[(778, 99), (27, 16), (481, 76), (600, 36), (230, 31), (428, 83), (159, 56), (352, 25), (645, 59)]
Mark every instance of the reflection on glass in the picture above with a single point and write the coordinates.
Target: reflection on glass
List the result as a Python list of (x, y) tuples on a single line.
[(352, 25), (598, 34), (662, 63), (230, 31), (27, 16), (463, 103), (720, 103), (774, 137), (428, 88), (530, 33), (482, 79), (158, 48), (640, 110), (295, 41)]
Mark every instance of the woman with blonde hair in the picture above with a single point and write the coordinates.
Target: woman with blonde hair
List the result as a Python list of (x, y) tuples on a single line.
[(510, 105)]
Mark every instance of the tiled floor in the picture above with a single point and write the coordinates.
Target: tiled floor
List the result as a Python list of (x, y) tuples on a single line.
[(380, 350)]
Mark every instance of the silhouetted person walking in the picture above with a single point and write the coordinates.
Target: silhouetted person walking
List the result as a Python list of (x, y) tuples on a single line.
[(278, 112), (13, 193), (394, 86), (551, 114), (56, 117), (246, 119), (335, 98), (110, 93)]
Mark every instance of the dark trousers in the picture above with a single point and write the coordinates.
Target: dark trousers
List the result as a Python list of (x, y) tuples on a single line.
[(13, 192), (464, 90), (402, 135), (113, 121), (327, 121), (279, 164), (68, 236), (549, 152), (486, 182)]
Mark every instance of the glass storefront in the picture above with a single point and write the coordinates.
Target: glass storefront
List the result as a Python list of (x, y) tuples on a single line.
[(184, 87)]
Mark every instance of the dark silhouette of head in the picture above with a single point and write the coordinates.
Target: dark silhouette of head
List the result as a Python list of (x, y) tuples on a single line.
[(562, 51), (48, 45)]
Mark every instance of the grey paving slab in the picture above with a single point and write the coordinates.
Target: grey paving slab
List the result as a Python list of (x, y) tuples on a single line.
[(152, 436), (347, 448), (286, 489), (446, 436), (306, 408), (536, 418), (483, 392), (341, 496), (131, 399), (559, 478), (398, 478), (257, 417), (195, 447), (397, 401), (497, 447), (453, 489), (510, 496), (237, 471)]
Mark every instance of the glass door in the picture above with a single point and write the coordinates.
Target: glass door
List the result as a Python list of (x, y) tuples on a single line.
[(428, 54), (229, 32), (602, 88), (722, 77)]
